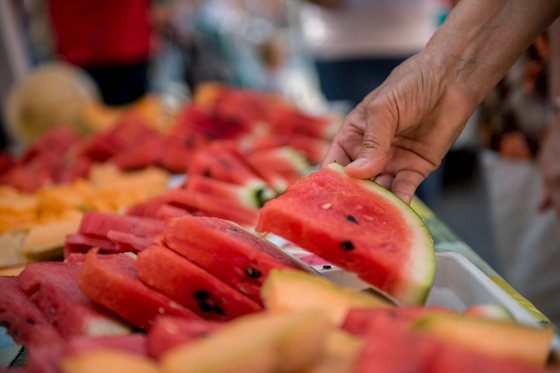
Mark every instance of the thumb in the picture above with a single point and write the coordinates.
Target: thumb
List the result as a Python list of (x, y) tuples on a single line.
[(378, 135)]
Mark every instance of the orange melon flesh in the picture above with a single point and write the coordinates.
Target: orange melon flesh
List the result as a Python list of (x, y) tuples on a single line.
[(359, 226), (108, 361), (503, 340)]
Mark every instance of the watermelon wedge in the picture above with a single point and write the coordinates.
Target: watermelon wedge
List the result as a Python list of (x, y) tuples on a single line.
[(23, 320), (113, 282), (221, 189), (53, 286), (191, 286), (78, 243), (98, 224), (282, 159), (229, 252), (359, 226)]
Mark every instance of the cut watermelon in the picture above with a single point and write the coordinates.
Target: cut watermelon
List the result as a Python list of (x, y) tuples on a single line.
[(23, 320), (134, 343), (229, 252), (113, 282), (78, 243), (220, 164), (214, 206), (98, 224), (359, 226), (191, 286), (282, 159), (166, 211), (54, 288), (127, 242), (221, 189), (169, 332)]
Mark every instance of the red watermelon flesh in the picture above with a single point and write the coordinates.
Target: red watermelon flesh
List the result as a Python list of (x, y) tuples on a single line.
[(292, 122), (229, 252), (275, 179), (142, 155), (54, 288), (23, 320), (128, 242), (213, 206), (72, 169), (42, 359), (169, 332), (222, 189), (56, 141), (149, 208), (282, 159), (169, 211), (358, 320), (359, 226), (78, 243), (98, 224), (134, 343), (191, 286), (113, 282), (220, 164)]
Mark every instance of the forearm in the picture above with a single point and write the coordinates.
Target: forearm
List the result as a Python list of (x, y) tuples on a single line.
[(482, 39)]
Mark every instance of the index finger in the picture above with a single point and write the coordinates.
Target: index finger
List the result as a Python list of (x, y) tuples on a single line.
[(336, 153)]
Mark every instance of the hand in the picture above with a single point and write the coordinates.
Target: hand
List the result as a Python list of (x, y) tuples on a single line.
[(550, 162), (402, 130)]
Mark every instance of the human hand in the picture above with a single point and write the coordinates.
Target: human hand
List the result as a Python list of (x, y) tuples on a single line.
[(550, 161), (402, 130)]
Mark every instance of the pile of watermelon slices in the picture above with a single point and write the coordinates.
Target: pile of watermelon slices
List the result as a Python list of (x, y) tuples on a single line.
[(254, 121), (190, 284)]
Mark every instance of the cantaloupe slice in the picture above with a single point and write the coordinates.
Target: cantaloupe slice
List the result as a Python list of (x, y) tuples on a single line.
[(339, 354), (10, 246), (293, 291), (258, 343), (108, 361), (500, 339), (46, 241)]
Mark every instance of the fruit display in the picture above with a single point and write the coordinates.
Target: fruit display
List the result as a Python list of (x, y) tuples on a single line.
[(177, 281)]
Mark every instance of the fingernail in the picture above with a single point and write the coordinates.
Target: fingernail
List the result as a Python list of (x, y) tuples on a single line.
[(360, 162)]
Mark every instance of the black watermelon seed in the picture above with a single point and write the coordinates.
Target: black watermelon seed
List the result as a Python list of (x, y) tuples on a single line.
[(233, 229), (251, 272), (202, 295), (352, 219), (205, 307), (207, 173), (347, 245), (218, 310), (326, 266)]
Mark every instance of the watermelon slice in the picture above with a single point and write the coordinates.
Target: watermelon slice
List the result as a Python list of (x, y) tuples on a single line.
[(53, 286), (221, 164), (166, 211), (169, 332), (98, 224), (213, 206), (24, 321), (78, 243), (359, 226), (191, 286), (128, 242), (221, 189), (229, 252), (113, 282), (282, 159)]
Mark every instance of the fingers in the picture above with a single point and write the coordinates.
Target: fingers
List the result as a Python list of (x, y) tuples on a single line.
[(381, 124), (385, 181), (336, 153), (405, 184)]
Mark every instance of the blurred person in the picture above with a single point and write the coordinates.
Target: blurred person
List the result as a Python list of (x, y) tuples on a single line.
[(109, 39), (401, 131), (357, 43)]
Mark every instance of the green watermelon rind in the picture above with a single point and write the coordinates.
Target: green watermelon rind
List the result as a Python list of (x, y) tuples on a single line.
[(257, 193), (423, 260), (295, 156)]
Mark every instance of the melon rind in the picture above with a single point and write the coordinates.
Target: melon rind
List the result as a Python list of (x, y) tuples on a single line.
[(422, 260)]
